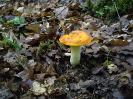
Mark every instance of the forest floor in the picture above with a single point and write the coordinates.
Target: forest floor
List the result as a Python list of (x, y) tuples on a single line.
[(35, 65)]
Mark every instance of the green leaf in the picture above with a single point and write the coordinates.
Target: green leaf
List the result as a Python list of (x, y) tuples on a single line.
[(16, 46), (1, 18), (10, 40), (5, 42), (19, 20), (100, 13), (10, 22), (16, 20), (107, 7)]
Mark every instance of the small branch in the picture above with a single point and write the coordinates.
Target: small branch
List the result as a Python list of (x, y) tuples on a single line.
[(116, 9)]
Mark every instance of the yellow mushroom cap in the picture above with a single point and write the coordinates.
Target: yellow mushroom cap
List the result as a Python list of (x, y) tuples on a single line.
[(76, 38)]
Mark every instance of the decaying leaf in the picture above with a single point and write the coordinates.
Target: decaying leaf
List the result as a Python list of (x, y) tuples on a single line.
[(14, 83), (119, 42), (109, 30), (38, 88), (42, 76), (97, 70), (130, 60), (120, 48), (125, 75), (51, 86), (118, 95), (81, 84), (33, 27), (124, 22), (5, 92), (96, 47), (25, 74), (61, 12)]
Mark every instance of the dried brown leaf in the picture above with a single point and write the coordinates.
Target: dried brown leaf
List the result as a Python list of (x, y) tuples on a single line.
[(120, 48), (97, 70), (14, 83), (130, 60), (42, 76), (26, 74), (119, 42), (61, 12), (33, 27), (109, 30)]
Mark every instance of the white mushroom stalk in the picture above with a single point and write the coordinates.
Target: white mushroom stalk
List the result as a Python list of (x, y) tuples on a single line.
[(75, 55)]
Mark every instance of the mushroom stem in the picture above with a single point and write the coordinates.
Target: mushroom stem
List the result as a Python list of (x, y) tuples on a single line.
[(75, 55)]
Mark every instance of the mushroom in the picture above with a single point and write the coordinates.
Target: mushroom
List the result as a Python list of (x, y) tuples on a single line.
[(75, 40)]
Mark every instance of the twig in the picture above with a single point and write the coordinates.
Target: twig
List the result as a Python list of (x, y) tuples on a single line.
[(116, 9), (118, 14)]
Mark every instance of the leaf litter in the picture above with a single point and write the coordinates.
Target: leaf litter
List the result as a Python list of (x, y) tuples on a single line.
[(35, 65)]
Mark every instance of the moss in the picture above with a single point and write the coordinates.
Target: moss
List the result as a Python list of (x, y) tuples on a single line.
[(124, 7), (45, 45), (106, 63)]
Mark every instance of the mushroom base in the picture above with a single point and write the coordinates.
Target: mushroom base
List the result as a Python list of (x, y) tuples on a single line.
[(75, 55)]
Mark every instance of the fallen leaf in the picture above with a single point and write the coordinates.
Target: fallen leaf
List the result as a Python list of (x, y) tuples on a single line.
[(61, 12), (33, 27), (120, 48), (42, 76), (97, 70), (117, 94), (109, 30), (25, 74), (130, 60), (119, 42)]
